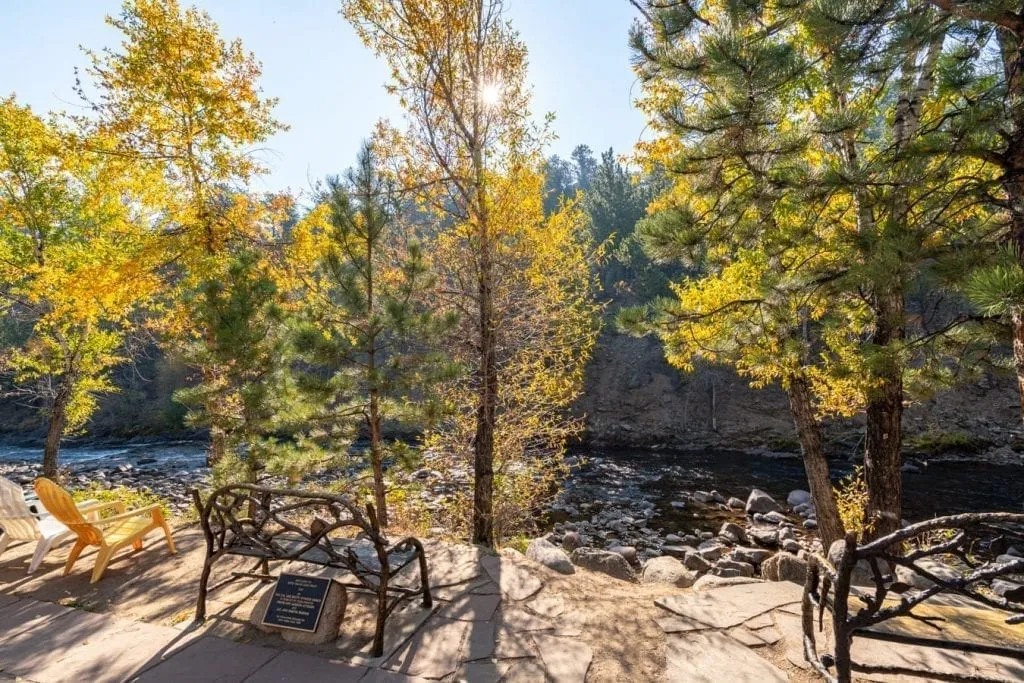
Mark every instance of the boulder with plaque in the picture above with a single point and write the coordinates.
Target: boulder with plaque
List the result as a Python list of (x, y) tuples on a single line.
[(303, 609)]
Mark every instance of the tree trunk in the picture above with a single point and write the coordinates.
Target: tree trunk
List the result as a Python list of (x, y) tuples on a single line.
[(376, 462), (483, 444), (884, 438), (55, 432), (830, 526)]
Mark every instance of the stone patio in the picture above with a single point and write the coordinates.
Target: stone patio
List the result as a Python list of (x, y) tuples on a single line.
[(495, 618)]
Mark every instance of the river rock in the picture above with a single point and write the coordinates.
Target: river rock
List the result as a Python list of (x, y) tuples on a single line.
[(703, 497), (754, 556), (695, 562), (768, 538), (551, 556), (1013, 592), (774, 517), (728, 568), (603, 561), (668, 570), (627, 551), (571, 541), (798, 497), (330, 617), (785, 567), (735, 504), (761, 502), (679, 551), (711, 550), (732, 532)]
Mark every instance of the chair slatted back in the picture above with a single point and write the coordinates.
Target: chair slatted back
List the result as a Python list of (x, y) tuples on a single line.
[(61, 505), (16, 519)]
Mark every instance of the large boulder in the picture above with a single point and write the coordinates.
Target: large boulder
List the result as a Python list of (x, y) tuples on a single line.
[(544, 552), (785, 567), (941, 571), (862, 574), (669, 570), (760, 502), (327, 628), (603, 561), (798, 497)]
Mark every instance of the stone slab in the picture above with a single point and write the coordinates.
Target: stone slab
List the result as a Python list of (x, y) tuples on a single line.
[(550, 606), (6, 600), (512, 645), (769, 634), (399, 627), (525, 671), (565, 660), (746, 636), (210, 660), (28, 614), (434, 652), (485, 671), (294, 667), (517, 619), (117, 652), (760, 621), (679, 625), (481, 642), (515, 581), (570, 623), (29, 651), (712, 657), (930, 660), (730, 606), (471, 608), (385, 676)]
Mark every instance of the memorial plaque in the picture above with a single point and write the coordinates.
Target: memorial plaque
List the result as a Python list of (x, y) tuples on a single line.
[(297, 602)]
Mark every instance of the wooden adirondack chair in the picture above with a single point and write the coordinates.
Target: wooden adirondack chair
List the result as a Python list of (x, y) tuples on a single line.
[(20, 524), (109, 535)]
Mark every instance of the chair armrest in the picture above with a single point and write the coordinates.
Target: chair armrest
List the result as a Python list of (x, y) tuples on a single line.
[(138, 512), (94, 507)]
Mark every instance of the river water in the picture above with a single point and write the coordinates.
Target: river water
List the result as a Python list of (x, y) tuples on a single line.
[(628, 475)]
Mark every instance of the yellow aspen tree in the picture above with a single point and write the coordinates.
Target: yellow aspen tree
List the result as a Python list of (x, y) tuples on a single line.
[(76, 263), (459, 70), (177, 97)]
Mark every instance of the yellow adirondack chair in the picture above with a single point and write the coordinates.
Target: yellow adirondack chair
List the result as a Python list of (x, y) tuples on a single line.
[(110, 534)]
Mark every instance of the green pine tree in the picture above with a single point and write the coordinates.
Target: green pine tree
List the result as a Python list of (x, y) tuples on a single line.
[(368, 332)]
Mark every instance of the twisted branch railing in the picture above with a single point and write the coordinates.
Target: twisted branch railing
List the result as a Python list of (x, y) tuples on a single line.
[(280, 525), (973, 539)]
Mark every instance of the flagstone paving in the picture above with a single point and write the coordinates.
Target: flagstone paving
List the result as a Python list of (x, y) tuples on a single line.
[(495, 618)]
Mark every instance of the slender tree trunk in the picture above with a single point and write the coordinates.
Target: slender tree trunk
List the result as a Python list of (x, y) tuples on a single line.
[(218, 436), (483, 445), (884, 439), (830, 526), (55, 431)]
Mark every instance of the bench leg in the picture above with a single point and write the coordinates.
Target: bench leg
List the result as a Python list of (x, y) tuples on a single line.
[(428, 601), (204, 580)]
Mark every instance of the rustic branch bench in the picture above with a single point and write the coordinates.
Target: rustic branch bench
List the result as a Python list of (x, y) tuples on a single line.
[(975, 539), (283, 525)]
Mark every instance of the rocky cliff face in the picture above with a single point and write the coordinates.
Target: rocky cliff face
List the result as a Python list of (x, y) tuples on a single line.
[(634, 397)]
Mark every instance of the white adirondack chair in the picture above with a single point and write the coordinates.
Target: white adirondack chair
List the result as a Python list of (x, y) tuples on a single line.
[(19, 524)]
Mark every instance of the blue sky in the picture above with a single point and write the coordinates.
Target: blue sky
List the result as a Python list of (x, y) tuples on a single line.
[(330, 87)]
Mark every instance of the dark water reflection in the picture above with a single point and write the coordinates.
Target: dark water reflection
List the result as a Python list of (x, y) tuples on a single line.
[(661, 476)]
